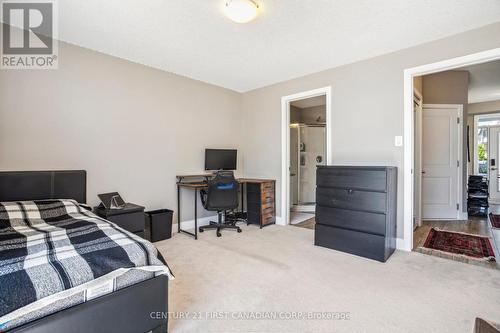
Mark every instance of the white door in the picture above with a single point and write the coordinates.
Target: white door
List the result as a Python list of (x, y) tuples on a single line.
[(494, 171), (440, 162)]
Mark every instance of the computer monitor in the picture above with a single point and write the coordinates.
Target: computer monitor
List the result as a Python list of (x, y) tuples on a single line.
[(220, 159)]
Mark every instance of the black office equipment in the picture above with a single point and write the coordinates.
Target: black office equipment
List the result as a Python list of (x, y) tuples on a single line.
[(356, 210), (221, 195), (111, 200), (220, 159), (477, 196)]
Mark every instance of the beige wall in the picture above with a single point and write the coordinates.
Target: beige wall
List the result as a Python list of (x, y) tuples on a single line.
[(450, 87), (133, 128), (484, 107), (311, 115), (417, 84), (294, 114), (367, 108), (307, 115)]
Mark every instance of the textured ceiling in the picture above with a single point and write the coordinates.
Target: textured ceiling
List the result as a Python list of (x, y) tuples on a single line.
[(289, 39), (484, 82)]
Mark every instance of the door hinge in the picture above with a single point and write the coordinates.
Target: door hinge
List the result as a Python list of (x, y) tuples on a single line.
[(458, 206), (458, 164), (458, 120)]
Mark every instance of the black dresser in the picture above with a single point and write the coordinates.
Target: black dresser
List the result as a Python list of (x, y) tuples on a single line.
[(356, 210)]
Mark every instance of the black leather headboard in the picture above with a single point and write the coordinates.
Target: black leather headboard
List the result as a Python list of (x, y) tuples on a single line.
[(38, 185)]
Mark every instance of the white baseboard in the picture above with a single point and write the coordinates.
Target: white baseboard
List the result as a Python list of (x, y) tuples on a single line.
[(186, 225)]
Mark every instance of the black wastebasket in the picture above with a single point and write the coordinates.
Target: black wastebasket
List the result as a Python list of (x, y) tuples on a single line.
[(158, 225)]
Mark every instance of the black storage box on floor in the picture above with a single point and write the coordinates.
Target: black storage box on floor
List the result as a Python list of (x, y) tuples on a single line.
[(478, 194), (158, 225)]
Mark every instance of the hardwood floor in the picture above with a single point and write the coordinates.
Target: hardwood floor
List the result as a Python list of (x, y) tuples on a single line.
[(308, 224), (474, 225)]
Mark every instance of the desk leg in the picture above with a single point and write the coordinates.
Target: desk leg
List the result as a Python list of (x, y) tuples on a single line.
[(242, 188), (178, 209), (195, 213)]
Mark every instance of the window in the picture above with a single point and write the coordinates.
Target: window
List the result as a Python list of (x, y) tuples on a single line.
[(482, 123)]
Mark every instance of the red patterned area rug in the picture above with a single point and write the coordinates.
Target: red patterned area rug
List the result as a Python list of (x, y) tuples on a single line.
[(474, 246), (495, 220)]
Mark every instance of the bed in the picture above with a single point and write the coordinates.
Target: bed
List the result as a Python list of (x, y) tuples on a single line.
[(63, 269)]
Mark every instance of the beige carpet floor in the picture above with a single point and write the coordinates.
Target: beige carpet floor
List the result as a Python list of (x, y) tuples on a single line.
[(277, 271)]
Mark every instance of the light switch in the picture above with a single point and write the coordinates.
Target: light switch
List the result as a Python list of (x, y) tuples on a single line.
[(398, 141)]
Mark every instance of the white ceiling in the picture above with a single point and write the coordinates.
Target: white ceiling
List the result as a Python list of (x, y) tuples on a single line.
[(289, 39), (484, 82)]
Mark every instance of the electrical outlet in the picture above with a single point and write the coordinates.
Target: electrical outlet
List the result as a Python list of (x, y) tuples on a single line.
[(398, 141)]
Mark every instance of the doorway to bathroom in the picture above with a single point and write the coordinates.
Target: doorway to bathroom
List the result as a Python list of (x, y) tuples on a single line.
[(306, 137), (307, 150)]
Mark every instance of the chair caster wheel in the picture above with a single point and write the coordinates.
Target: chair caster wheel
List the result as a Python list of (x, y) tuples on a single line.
[(219, 234), (200, 230), (239, 230)]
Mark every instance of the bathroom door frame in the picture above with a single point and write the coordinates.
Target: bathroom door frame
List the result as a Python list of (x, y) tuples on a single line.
[(285, 143)]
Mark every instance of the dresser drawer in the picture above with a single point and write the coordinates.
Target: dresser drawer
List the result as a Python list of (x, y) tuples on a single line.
[(133, 222), (266, 205), (267, 187), (375, 180), (354, 242), (267, 197), (350, 219), (351, 199), (268, 210), (268, 218)]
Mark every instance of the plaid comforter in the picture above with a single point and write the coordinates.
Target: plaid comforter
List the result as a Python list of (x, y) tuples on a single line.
[(54, 247)]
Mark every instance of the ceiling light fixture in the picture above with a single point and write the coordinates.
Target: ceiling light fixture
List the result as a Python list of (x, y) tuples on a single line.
[(241, 11)]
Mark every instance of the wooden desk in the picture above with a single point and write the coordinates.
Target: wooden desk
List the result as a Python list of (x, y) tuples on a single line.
[(260, 195)]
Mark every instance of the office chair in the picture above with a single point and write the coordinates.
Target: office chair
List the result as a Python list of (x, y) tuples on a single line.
[(220, 196)]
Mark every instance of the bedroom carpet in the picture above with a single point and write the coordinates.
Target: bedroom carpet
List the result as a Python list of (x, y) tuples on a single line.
[(259, 280)]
